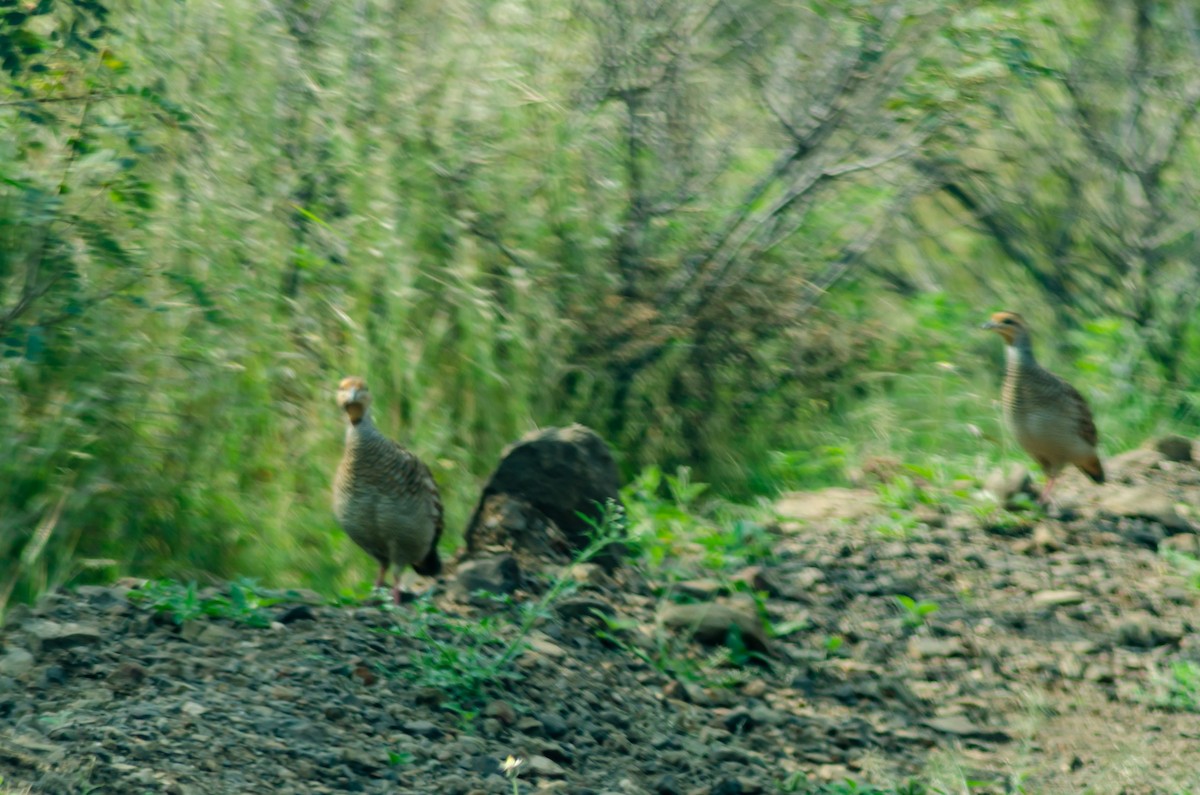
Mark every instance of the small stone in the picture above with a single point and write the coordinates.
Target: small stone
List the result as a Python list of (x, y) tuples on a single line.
[(1060, 598), (933, 648), (1006, 483), (961, 726), (361, 761), (738, 720), (589, 574), (543, 766), (127, 674), (422, 728), (554, 726), (1146, 501), (50, 635), (207, 633), (501, 711), (97, 695), (667, 784), (1070, 666), (1182, 542), (585, 607), (16, 615), (297, 613), (16, 662), (675, 689), (541, 643), (193, 709), (705, 589), (755, 688), (711, 624), (497, 574), (1174, 447), (54, 675), (99, 595), (483, 763), (825, 505), (765, 716), (1045, 538), (1139, 630), (529, 725)]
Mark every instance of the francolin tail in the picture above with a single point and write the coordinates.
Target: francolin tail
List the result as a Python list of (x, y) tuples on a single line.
[(384, 497), (1048, 416)]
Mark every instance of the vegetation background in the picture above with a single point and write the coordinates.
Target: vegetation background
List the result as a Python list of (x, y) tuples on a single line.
[(750, 237)]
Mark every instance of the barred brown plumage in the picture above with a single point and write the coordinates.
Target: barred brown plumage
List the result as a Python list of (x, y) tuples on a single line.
[(1049, 417), (384, 497)]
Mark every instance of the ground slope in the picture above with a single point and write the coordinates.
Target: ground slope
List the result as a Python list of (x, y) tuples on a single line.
[(1028, 654)]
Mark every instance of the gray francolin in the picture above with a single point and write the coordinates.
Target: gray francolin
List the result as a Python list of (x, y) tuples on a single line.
[(384, 497), (1049, 417)]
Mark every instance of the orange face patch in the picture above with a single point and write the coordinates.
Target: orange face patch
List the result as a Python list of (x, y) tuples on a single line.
[(1007, 324), (353, 397)]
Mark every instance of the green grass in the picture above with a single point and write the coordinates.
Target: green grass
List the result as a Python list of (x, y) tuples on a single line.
[(243, 604)]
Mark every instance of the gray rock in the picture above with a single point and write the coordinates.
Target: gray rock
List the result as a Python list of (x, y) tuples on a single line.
[(561, 473)]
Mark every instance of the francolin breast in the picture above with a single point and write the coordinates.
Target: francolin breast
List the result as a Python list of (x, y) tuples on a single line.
[(1049, 417), (384, 497)]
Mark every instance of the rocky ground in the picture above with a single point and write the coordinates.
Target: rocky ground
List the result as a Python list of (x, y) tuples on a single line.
[(885, 633)]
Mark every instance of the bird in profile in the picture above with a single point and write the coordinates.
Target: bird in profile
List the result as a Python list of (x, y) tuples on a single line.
[(1049, 417), (384, 497)]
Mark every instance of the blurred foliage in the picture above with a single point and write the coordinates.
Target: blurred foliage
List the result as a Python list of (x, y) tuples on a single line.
[(755, 239)]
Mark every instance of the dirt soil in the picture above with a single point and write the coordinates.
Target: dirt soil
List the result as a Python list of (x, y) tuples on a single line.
[(1056, 661)]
